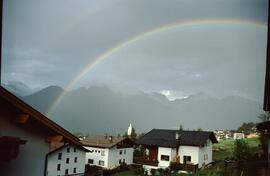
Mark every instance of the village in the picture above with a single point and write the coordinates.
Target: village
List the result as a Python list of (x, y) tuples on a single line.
[(27, 135)]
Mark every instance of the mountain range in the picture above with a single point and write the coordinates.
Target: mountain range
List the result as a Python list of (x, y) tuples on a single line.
[(99, 110)]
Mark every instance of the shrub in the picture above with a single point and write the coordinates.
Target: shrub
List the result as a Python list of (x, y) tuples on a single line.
[(153, 171)]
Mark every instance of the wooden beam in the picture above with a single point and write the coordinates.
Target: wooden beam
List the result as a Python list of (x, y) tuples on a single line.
[(21, 118), (56, 138)]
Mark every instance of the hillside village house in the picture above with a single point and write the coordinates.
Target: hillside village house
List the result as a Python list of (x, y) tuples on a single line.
[(66, 159), (238, 136), (25, 137), (191, 149), (108, 151)]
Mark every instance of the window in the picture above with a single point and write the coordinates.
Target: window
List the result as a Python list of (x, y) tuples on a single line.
[(124, 161), (66, 171), (187, 159), (101, 163), (165, 157), (120, 152), (68, 150), (99, 151), (67, 160), (58, 167), (75, 160), (75, 149), (120, 161), (90, 161), (205, 156), (102, 153), (59, 156), (125, 151), (74, 170)]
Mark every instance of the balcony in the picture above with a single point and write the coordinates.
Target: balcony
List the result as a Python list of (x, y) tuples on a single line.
[(145, 161), (189, 167), (186, 167)]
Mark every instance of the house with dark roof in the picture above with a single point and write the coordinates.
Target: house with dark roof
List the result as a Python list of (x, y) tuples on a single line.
[(66, 159), (190, 149), (108, 151), (26, 136)]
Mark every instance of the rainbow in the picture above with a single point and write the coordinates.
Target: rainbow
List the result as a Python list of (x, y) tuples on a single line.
[(143, 35)]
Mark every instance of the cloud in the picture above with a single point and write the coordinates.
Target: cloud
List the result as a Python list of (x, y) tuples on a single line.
[(54, 44)]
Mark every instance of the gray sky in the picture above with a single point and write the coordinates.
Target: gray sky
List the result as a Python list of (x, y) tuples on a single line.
[(50, 42)]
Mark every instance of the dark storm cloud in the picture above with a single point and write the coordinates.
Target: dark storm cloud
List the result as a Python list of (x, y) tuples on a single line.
[(49, 42)]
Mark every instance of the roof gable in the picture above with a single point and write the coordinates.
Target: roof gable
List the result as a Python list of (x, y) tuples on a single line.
[(36, 117)]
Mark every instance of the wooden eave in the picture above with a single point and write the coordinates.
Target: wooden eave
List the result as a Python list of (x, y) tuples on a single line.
[(37, 116)]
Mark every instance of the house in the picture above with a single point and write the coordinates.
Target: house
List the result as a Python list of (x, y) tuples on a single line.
[(190, 149), (108, 151), (26, 136), (265, 126), (66, 159), (238, 136)]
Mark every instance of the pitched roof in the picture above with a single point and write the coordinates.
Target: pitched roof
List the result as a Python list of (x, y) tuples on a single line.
[(167, 138), (102, 141), (36, 117)]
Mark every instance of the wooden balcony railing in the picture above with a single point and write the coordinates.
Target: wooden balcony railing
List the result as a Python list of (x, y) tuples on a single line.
[(189, 167), (186, 167), (145, 161)]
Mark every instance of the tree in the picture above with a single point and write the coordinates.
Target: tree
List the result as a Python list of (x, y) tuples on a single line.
[(241, 152), (263, 137), (264, 116), (181, 128), (247, 128)]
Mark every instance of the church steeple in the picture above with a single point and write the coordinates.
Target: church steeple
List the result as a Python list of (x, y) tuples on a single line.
[(129, 130)]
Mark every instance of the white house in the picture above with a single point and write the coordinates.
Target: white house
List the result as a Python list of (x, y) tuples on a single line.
[(66, 159), (190, 149), (25, 137), (238, 136), (108, 151)]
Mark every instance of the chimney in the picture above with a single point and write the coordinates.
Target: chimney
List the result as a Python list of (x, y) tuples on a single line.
[(177, 136), (105, 135), (110, 138)]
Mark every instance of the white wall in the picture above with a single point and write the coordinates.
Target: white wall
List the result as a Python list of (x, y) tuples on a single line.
[(96, 155), (205, 151), (165, 151), (115, 156), (111, 156), (53, 161), (31, 158), (192, 151)]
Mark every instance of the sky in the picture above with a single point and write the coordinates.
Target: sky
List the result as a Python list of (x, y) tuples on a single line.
[(51, 42)]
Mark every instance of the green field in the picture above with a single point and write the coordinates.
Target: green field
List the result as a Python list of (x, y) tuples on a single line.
[(221, 151)]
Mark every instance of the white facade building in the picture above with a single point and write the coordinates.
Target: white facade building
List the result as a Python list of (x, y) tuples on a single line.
[(191, 149), (108, 152), (238, 136), (65, 160), (25, 137)]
